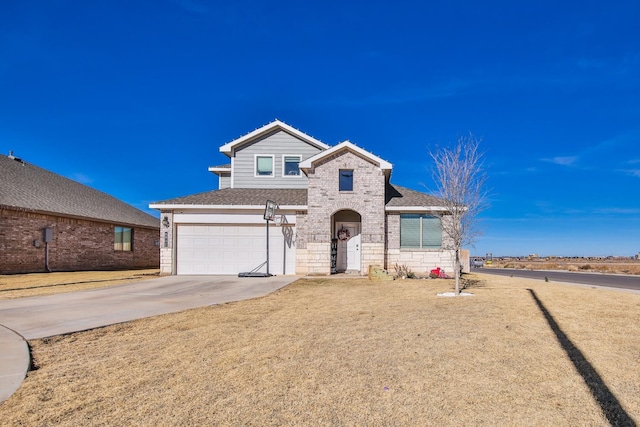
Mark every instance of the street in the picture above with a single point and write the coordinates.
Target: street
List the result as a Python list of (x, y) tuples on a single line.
[(619, 281)]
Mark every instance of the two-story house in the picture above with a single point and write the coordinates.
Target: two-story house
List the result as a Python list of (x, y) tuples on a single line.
[(337, 211)]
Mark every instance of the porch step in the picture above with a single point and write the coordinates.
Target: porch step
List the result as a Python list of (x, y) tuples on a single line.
[(379, 273)]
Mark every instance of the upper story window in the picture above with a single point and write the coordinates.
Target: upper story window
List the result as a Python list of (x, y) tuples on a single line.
[(264, 165), (123, 240), (290, 165), (420, 231), (346, 180)]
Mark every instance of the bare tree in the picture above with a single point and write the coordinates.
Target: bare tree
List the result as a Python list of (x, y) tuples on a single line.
[(460, 181)]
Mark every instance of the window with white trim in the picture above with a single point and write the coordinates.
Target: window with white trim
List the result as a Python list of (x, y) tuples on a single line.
[(420, 231), (263, 165), (290, 166)]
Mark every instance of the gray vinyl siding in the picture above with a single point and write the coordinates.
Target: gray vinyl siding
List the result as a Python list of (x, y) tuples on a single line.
[(276, 145), (224, 181)]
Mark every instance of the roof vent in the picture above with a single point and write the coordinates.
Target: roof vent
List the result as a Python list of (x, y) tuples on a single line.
[(12, 157)]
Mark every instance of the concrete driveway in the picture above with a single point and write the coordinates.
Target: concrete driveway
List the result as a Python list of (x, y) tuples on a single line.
[(41, 317)]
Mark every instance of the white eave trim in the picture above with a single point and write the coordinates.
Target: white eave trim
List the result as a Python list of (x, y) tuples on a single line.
[(415, 209), (347, 145), (219, 169), (224, 207), (276, 124)]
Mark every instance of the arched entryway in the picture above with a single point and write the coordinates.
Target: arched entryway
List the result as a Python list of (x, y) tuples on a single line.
[(346, 241)]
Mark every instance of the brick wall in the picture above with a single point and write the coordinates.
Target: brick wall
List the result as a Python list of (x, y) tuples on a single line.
[(325, 199), (77, 244)]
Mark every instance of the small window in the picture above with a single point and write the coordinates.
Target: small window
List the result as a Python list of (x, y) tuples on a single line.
[(290, 167), (264, 165), (123, 240), (420, 231), (346, 179)]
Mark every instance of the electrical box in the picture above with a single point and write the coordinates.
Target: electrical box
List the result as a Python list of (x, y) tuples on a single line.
[(47, 235)]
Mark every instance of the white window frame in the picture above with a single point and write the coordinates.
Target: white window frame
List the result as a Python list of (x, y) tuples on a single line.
[(255, 166), (284, 175)]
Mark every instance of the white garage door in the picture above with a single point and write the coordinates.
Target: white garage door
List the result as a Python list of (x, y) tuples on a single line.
[(232, 249)]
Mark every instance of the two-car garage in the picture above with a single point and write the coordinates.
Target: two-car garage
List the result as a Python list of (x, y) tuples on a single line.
[(234, 248)]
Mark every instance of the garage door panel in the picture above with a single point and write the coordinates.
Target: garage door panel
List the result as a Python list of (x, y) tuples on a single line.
[(216, 249), (200, 242)]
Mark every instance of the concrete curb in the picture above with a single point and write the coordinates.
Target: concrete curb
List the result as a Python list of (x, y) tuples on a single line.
[(14, 361)]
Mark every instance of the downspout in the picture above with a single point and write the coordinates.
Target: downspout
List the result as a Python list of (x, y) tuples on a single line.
[(46, 257), (47, 236)]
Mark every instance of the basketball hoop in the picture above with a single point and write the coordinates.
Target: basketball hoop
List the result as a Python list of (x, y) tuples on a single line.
[(270, 210)]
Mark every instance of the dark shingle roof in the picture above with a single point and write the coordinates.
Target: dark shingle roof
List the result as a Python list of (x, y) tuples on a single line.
[(243, 197), (27, 187), (395, 196)]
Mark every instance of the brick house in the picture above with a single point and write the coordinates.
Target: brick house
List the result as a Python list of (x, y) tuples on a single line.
[(337, 211), (51, 223)]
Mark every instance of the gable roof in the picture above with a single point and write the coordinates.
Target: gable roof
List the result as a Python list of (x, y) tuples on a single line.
[(346, 146), (24, 186), (274, 126)]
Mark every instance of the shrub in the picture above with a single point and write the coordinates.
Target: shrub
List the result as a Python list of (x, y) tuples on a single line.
[(403, 271)]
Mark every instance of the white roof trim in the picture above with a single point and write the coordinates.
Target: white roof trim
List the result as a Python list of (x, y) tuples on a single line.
[(217, 170), (276, 124), (415, 208), (347, 145), (225, 207)]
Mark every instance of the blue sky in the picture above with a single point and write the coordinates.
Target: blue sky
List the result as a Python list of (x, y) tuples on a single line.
[(135, 97)]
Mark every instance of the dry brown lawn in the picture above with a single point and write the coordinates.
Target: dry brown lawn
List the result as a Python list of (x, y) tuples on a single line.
[(347, 352), (38, 284)]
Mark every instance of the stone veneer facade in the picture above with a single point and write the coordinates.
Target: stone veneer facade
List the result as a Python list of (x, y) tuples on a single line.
[(166, 242), (315, 228), (418, 260)]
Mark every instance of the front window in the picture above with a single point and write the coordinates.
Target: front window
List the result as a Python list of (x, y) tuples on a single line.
[(420, 231), (346, 180), (123, 239), (291, 166), (264, 165)]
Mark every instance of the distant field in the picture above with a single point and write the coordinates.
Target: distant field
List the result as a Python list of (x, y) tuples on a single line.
[(575, 264)]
